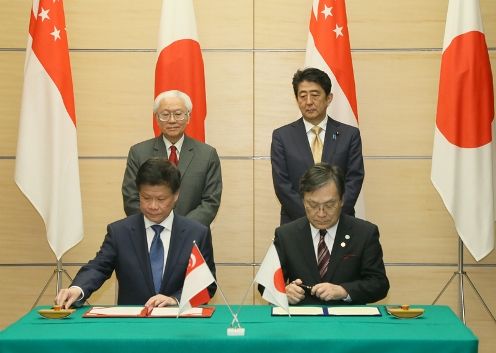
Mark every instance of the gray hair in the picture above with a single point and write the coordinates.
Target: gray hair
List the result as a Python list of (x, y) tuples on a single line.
[(173, 94)]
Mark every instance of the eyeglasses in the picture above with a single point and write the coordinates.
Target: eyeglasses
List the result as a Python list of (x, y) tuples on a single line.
[(327, 207), (178, 115)]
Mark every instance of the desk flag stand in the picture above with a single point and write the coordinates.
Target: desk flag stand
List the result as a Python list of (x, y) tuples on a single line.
[(235, 328), (57, 272), (461, 275)]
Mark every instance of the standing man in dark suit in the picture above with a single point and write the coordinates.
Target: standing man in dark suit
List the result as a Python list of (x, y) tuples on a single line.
[(150, 250), (199, 164), (327, 257), (311, 139)]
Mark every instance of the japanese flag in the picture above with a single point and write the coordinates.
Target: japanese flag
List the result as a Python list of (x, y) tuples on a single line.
[(180, 63), (270, 276), (463, 152)]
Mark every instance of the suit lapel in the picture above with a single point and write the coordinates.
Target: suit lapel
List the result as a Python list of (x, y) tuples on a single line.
[(338, 251), (159, 149), (301, 142), (176, 247), (307, 251), (138, 239), (186, 155), (330, 139)]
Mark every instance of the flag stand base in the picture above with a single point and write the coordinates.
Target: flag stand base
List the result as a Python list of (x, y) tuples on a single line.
[(235, 331), (58, 271), (461, 275)]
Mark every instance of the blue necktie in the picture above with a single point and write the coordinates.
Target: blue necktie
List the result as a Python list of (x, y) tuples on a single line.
[(157, 257)]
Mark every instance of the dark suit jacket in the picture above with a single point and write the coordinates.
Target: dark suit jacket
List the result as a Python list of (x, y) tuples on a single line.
[(358, 266), (201, 179), (125, 250), (291, 156)]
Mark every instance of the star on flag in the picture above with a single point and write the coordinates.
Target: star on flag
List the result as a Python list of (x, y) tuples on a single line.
[(335, 22)]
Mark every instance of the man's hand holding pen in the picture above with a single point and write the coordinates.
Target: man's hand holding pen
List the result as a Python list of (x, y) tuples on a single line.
[(296, 291)]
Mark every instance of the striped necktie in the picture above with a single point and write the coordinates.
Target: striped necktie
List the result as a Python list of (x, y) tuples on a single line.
[(324, 256)]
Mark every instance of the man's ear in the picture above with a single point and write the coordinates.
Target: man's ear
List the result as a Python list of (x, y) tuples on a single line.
[(329, 98)]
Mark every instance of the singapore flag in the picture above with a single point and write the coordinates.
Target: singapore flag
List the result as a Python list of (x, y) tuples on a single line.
[(198, 278)]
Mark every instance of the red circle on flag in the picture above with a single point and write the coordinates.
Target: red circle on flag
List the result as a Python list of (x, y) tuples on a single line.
[(279, 283), (465, 104)]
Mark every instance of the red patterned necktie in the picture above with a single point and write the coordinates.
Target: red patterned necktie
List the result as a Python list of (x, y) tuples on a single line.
[(173, 155), (324, 256)]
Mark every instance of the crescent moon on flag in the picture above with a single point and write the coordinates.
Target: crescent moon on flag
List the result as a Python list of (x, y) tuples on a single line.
[(192, 261)]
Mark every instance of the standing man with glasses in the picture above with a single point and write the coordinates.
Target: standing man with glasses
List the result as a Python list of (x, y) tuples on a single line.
[(314, 138), (199, 164), (328, 257)]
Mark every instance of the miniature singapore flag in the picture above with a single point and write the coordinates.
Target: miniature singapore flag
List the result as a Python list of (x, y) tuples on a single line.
[(198, 278), (270, 276)]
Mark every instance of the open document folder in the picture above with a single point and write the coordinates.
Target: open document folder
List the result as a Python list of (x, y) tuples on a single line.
[(327, 311), (141, 311)]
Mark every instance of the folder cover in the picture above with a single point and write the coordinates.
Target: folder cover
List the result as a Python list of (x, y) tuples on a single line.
[(327, 311), (141, 311)]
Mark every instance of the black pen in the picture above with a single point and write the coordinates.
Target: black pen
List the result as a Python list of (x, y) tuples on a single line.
[(307, 288)]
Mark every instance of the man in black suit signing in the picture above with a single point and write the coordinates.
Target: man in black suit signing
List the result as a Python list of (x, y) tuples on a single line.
[(150, 250), (314, 138), (327, 257)]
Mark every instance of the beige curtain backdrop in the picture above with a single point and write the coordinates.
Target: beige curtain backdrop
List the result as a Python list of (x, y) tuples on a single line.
[(251, 48)]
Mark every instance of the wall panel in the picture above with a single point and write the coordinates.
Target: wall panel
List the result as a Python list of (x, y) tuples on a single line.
[(251, 49), (11, 75)]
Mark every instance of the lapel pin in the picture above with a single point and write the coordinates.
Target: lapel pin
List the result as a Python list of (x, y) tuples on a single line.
[(343, 244), (347, 237)]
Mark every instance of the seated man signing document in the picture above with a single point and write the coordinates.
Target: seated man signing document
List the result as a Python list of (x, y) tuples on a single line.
[(149, 251), (327, 257)]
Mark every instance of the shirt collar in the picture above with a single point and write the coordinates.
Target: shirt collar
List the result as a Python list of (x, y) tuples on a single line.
[(178, 144), (166, 223), (331, 231), (309, 126)]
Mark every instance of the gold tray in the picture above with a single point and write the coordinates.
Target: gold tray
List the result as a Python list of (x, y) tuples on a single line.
[(55, 314), (405, 312)]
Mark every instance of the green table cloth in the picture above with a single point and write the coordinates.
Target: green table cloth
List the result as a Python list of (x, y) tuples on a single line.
[(438, 330)]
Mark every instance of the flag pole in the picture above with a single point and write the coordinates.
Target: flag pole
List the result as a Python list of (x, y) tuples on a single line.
[(232, 330), (57, 273), (461, 290)]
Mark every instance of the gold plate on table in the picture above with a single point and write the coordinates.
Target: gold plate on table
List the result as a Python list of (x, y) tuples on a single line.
[(55, 314), (405, 312)]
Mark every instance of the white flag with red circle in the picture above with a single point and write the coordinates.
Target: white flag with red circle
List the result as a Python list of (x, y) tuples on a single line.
[(463, 152), (47, 169), (198, 278), (180, 63), (271, 277)]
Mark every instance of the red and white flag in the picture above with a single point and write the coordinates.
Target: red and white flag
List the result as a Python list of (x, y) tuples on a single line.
[(180, 62), (462, 156), (47, 169), (198, 278), (328, 49), (270, 276)]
